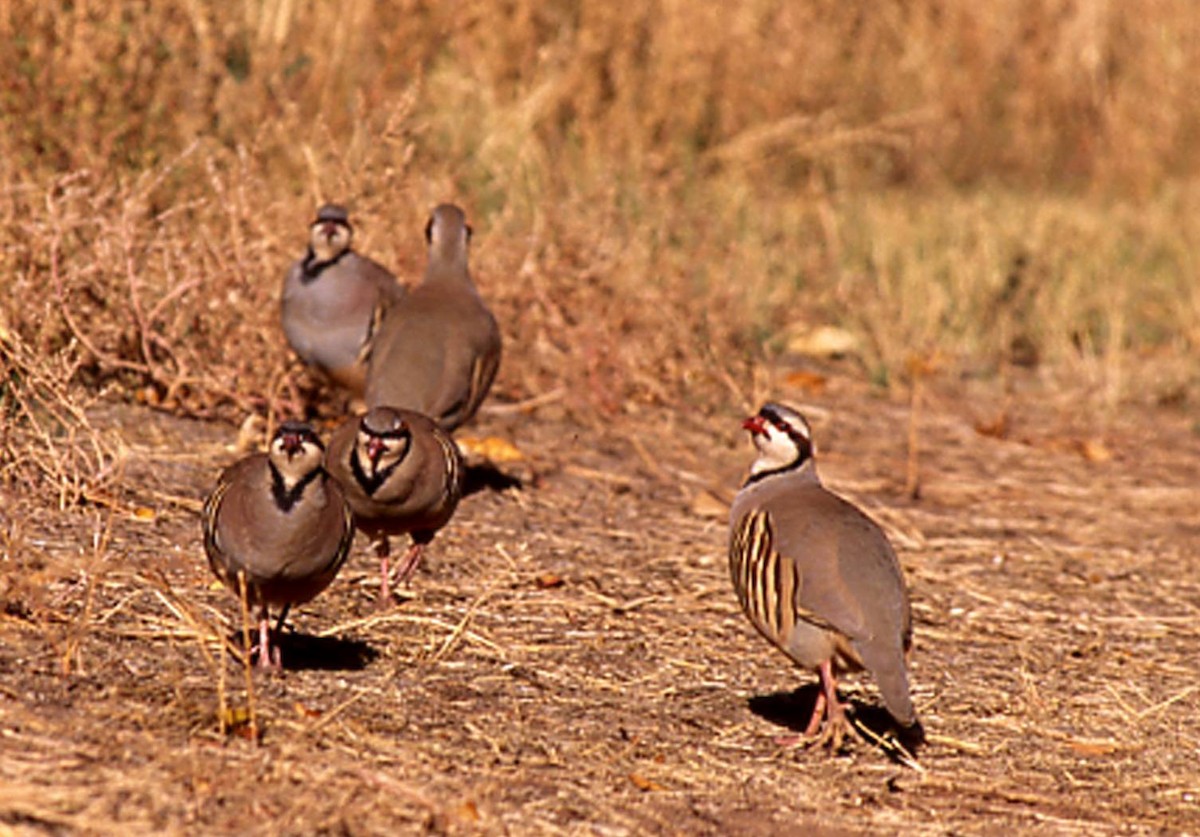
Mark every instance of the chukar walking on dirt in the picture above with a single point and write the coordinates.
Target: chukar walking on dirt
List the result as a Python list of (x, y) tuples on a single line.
[(333, 299), (401, 474), (816, 576), (278, 520), (437, 351)]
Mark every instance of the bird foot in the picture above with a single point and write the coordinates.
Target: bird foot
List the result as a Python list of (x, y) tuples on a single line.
[(269, 658), (831, 735), (270, 661), (827, 726)]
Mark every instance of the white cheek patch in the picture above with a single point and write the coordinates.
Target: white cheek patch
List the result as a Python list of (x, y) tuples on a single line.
[(393, 452), (775, 450), (310, 457)]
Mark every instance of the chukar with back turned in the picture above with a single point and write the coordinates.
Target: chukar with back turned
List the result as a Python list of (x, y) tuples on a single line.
[(816, 576), (437, 351), (279, 521), (401, 474), (333, 299)]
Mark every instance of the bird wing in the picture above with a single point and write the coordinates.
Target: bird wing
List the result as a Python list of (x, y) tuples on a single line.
[(858, 589)]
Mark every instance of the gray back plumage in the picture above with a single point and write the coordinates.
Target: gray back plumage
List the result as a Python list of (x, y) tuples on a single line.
[(437, 350)]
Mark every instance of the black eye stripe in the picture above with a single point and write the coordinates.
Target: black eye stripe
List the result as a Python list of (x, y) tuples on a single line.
[(295, 428), (777, 421), (393, 431), (798, 436)]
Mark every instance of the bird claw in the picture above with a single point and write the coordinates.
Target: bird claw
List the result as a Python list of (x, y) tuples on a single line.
[(269, 657), (271, 661), (831, 735)]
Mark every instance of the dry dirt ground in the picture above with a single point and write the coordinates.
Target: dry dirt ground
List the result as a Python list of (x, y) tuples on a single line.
[(570, 659)]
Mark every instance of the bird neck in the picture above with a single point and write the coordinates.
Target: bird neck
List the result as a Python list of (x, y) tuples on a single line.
[(447, 266), (313, 266), (287, 492), (802, 467)]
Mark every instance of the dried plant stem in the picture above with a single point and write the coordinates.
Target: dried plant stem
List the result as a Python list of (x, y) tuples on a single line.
[(247, 664), (912, 467), (94, 572)]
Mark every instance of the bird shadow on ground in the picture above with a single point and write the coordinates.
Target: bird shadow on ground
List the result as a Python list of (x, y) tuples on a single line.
[(787, 709), (485, 476), (793, 710), (304, 652)]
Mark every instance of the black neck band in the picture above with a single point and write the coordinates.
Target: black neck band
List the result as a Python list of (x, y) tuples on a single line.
[(285, 500), (311, 268)]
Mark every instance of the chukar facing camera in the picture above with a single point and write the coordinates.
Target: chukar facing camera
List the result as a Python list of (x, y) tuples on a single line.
[(816, 576), (279, 521), (333, 299), (402, 474), (438, 349)]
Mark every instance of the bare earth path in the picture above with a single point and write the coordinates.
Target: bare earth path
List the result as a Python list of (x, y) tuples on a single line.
[(571, 660)]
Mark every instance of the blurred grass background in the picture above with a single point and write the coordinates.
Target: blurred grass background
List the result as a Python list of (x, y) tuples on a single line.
[(665, 195)]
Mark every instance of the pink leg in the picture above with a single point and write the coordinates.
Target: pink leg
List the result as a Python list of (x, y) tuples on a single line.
[(383, 550), (835, 710), (268, 655), (828, 709), (818, 715), (412, 560)]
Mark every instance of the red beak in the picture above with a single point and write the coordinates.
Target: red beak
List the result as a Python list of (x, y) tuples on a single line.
[(375, 448), (292, 443), (757, 425)]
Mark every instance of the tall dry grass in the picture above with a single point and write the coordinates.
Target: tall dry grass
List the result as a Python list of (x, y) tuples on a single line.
[(663, 193)]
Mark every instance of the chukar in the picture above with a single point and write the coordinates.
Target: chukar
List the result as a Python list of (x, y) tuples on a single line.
[(438, 349), (333, 299), (816, 576), (401, 474), (281, 521)]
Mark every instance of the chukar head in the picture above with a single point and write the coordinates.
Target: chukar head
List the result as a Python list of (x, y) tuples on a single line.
[(380, 445), (330, 234), (295, 454), (783, 439)]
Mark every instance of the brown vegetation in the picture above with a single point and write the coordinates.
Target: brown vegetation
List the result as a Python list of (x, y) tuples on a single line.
[(679, 208)]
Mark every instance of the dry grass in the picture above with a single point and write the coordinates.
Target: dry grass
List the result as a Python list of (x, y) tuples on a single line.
[(783, 166), (993, 207)]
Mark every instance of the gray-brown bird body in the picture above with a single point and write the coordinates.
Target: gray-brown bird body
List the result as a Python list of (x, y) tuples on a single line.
[(290, 549), (401, 474), (333, 301), (814, 574), (817, 578), (417, 492), (278, 521), (438, 349)]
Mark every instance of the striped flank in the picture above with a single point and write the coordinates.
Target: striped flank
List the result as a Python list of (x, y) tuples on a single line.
[(767, 584)]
